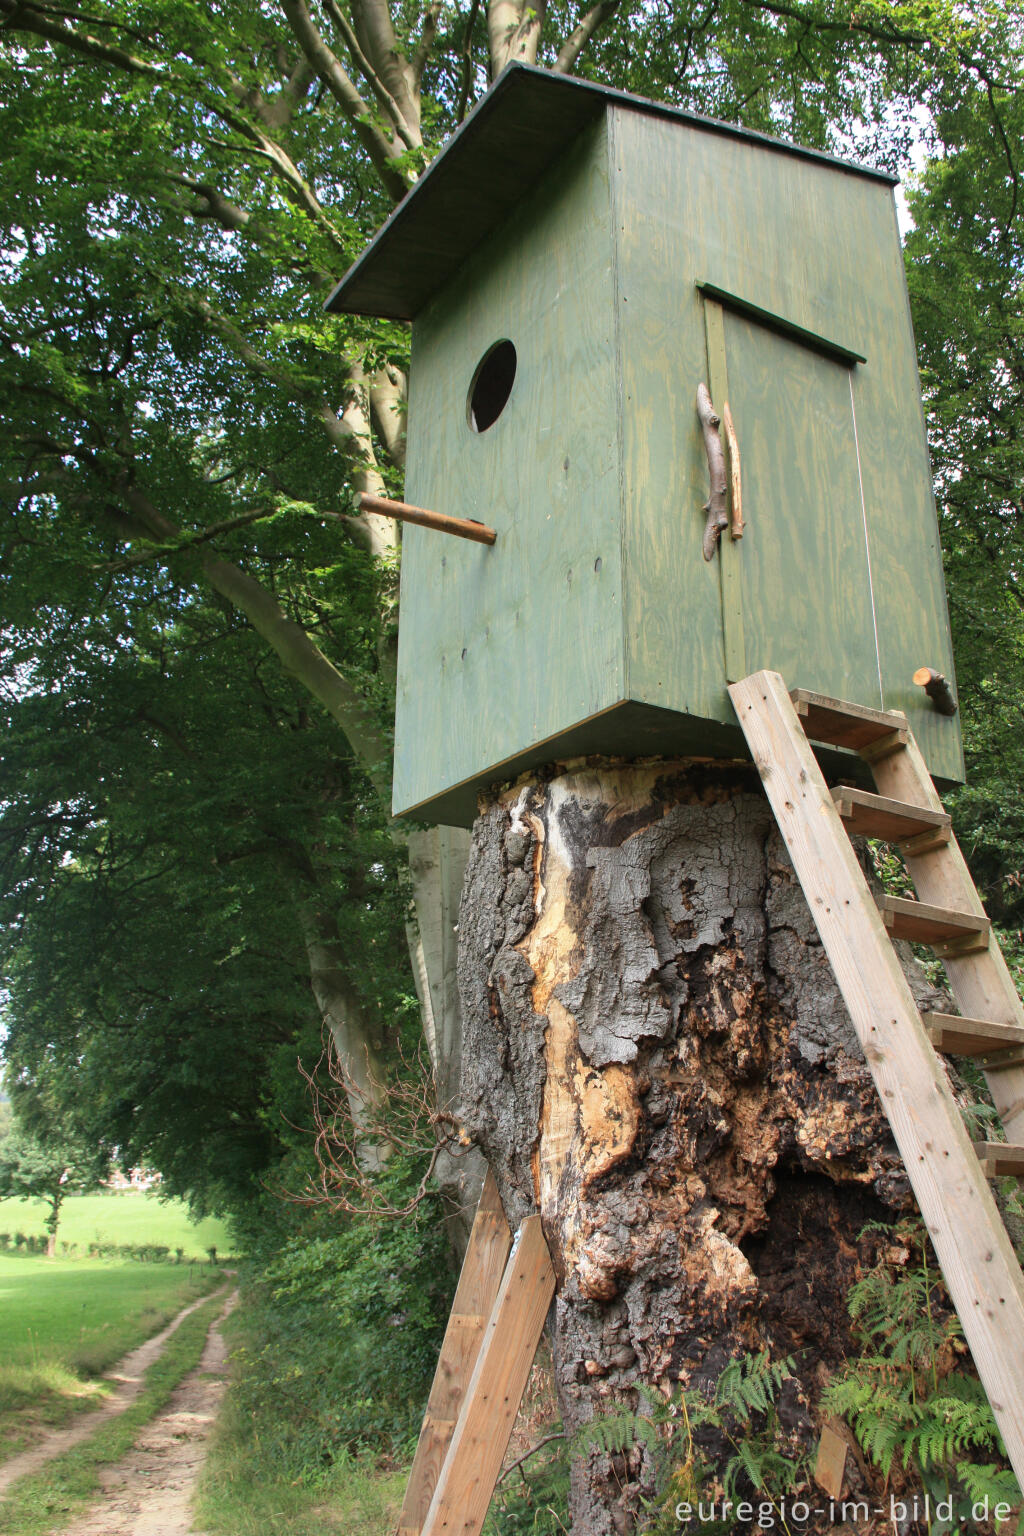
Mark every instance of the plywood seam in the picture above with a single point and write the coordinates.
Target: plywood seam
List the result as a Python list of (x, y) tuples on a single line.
[(618, 389), (867, 545)]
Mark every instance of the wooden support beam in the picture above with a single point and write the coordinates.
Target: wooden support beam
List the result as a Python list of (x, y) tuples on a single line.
[(957, 1036), (848, 725), (922, 923), (479, 1283), (462, 527), (480, 1440), (1000, 1161), (977, 1258), (868, 815)]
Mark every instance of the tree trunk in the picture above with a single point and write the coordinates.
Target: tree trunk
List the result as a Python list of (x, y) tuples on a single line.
[(657, 1057)]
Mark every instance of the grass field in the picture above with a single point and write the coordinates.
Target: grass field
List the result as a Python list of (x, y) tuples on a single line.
[(47, 1500), (119, 1218), (65, 1321)]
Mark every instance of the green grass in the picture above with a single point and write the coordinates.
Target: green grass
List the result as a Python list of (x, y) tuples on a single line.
[(252, 1484), (46, 1501), (64, 1321), (119, 1218)]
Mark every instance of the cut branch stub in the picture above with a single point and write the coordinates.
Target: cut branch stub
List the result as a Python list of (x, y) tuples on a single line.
[(463, 528), (937, 688), (715, 506)]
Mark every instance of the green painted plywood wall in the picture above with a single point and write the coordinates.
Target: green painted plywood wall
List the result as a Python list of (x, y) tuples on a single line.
[(594, 624), (502, 648), (840, 573)]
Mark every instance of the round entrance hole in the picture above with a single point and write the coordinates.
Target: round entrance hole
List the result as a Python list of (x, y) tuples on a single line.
[(492, 385)]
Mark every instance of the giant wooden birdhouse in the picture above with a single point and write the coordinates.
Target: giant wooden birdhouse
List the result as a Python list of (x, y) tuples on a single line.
[(576, 264)]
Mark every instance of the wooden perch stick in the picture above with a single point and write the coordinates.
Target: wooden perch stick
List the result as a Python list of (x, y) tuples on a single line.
[(735, 484), (937, 688), (462, 527), (715, 505)]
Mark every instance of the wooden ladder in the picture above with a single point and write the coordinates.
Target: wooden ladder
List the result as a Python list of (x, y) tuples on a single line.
[(948, 1172)]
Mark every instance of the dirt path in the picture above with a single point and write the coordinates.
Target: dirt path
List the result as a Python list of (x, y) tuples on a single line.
[(128, 1374), (150, 1491)]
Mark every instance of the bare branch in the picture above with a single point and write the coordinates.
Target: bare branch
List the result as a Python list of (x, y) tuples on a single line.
[(513, 29), (581, 35), (27, 18), (467, 63), (427, 38), (410, 138), (345, 92), (388, 391)]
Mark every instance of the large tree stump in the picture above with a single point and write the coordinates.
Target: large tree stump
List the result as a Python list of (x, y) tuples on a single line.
[(657, 1057)]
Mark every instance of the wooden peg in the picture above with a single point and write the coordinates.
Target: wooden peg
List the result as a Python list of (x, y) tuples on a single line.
[(463, 528), (937, 688)]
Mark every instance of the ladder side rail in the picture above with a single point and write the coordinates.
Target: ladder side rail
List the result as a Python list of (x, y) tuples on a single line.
[(970, 1241), (981, 983)]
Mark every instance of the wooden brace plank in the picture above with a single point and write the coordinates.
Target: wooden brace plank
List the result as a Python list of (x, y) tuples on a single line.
[(976, 1256), (480, 1440), (479, 1283)]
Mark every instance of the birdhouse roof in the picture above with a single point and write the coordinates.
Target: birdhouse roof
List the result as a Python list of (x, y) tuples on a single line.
[(516, 131)]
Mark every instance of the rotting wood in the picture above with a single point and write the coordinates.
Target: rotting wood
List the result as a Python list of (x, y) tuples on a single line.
[(978, 1262), (937, 688), (715, 506), (463, 528), (481, 1435), (479, 1283)]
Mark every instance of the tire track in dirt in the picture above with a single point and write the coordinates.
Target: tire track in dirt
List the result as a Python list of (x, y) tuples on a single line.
[(129, 1374), (149, 1492)]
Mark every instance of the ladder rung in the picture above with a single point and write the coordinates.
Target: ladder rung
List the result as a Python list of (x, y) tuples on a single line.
[(1000, 1160), (970, 1037), (844, 725), (924, 924), (868, 815)]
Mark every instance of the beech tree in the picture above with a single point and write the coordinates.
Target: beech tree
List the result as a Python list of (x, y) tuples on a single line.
[(184, 433)]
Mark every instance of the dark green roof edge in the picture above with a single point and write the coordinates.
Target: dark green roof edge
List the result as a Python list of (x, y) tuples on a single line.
[(407, 262)]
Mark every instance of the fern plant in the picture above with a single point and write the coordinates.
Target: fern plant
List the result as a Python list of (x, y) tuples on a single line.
[(906, 1398), (741, 1409)]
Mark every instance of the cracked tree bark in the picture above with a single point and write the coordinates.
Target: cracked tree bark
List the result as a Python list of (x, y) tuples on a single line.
[(656, 1056)]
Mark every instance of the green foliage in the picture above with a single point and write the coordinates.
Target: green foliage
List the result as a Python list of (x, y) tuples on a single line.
[(740, 1410), (534, 1501), (346, 1321), (909, 1401), (64, 1322)]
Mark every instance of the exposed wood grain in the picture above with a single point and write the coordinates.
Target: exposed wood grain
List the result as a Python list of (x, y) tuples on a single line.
[(730, 570), (830, 1463), (998, 1160), (937, 688), (854, 726), (868, 815), (925, 924), (480, 1439), (977, 1260), (462, 527), (981, 983), (479, 1283), (970, 1037), (732, 451)]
